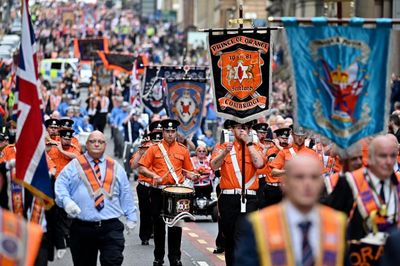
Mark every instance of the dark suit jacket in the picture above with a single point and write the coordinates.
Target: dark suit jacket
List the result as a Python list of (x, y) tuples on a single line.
[(391, 253), (342, 199)]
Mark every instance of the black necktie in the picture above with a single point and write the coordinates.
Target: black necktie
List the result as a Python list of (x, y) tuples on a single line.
[(382, 192), (307, 258)]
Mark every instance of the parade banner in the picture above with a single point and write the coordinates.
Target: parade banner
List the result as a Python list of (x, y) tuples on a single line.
[(241, 74), (340, 75), (86, 49), (117, 61), (185, 101), (153, 88)]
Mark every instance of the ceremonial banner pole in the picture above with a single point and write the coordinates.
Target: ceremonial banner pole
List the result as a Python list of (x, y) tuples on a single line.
[(333, 20)]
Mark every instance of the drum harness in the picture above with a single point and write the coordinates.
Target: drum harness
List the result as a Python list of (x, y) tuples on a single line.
[(171, 170)]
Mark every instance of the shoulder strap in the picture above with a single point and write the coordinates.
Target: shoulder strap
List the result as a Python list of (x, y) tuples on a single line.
[(235, 164), (171, 168), (292, 152)]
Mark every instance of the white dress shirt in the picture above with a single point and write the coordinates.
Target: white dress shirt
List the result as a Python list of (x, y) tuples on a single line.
[(294, 217), (390, 194)]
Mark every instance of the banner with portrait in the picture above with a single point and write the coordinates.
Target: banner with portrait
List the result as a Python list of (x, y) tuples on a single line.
[(340, 75), (241, 74), (153, 88), (185, 102)]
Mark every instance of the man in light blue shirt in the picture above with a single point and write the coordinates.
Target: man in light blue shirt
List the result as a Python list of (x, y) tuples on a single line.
[(95, 191)]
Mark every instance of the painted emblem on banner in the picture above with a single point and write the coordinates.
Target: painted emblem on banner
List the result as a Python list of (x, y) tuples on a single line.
[(343, 83), (241, 73), (185, 102)]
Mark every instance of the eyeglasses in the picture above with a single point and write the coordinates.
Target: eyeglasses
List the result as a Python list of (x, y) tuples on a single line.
[(93, 141), (202, 151)]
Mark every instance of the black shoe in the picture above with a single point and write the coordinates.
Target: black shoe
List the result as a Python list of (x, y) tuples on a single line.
[(218, 250), (176, 262), (145, 242), (158, 263)]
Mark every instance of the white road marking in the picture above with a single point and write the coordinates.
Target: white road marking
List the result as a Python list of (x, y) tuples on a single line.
[(202, 263)]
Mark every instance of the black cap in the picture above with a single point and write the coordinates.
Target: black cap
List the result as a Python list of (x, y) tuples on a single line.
[(261, 127), (170, 124), (227, 124), (156, 136), (66, 133), (51, 122), (282, 132), (66, 123), (156, 125)]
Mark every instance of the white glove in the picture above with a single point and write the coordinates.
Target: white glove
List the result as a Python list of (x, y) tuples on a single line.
[(10, 164), (72, 209), (60, 253), (130, 226)]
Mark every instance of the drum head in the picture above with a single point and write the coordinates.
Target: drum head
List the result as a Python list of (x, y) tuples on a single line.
[(178, 190)]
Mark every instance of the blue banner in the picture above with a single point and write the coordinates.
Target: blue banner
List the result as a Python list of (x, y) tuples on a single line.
[(185, 101), (340, 75)]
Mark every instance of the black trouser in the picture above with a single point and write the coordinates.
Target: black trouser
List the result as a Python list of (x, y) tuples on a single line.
[(260, 192), (88, 238), (100, 121), (229, 207), (219, 241), (272, 194), (174, 233), (146, 220), (62, 228)]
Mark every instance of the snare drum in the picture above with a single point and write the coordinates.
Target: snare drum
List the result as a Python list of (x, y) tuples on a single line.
[(176, 200)]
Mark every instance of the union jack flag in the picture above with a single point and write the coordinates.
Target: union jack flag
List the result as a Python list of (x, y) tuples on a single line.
[(31, 164)]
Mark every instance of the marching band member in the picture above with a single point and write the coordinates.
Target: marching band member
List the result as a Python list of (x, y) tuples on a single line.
[(272, 191), (164, 164), (278, 164), (67, 124), (297, 231), (95, 191), (228, 157), (144, 188), (265, 145)]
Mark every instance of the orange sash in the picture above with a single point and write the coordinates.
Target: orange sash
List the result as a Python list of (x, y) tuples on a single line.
[(367, 201), (89, 177), (20, 240), (273, 240)]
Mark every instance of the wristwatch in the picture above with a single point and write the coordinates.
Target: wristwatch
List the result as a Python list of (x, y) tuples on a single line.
[(249, 144)]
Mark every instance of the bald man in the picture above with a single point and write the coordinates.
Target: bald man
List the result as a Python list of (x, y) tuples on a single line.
[(94, 190), (376, 188), (298, 230)]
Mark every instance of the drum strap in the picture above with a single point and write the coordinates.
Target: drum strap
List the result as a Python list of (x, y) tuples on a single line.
[(171, 168), (237, 171)]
